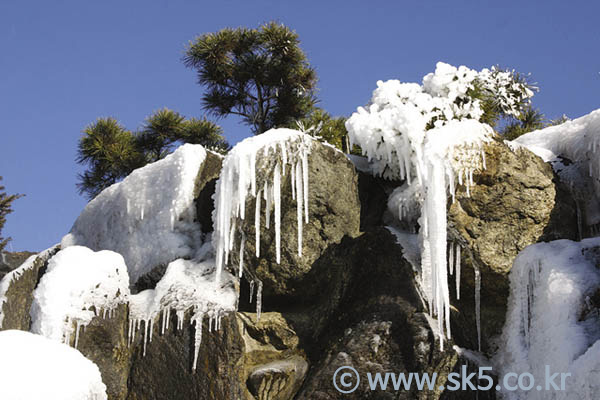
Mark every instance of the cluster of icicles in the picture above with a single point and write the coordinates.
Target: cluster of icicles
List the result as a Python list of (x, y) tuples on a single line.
[(214, 324), (244, 176), (437, 258)]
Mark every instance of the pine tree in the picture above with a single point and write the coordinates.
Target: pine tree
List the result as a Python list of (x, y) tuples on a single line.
[(5, 209), (110, 152), (261, 75)]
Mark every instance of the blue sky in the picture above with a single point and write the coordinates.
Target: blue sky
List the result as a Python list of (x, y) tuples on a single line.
[(65, 63)]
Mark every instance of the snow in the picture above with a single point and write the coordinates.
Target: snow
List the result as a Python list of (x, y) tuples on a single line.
[(16, 273), (429, 135), (148, 218), (78, 285), (578, 142), (188, 285), (256, 167), (410, 246), (34, 367), (549, 321)]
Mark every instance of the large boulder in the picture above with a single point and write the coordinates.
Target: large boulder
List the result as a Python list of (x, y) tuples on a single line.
[(379, 325), (334, 212), (516, 201)]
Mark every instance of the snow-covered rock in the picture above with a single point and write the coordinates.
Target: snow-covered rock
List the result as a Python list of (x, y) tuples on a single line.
[(34, 367), (572, 149), (78, 285), (150, 217), (16, 290), (551, 322), (315, 218)]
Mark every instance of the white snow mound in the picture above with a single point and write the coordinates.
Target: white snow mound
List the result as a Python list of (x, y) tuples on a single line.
[(550, 320), (148, 218), (34, 367), (78, 285)]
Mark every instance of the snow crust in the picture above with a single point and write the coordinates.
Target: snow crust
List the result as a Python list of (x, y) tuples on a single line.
[(78, 285), (429, 135), (550, 320), (34, 367), (148, 218), (255, 168), (572, 149)]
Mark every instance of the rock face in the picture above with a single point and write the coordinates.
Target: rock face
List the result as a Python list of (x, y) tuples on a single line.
[(517, 201), (104, 341), (350, 300), (380, 325), (334, 212), (19, 295), (11, 260)]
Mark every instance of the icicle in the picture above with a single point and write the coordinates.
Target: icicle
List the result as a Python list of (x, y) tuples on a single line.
[(257, 225), (129, 332), (197, 338), (146, 328), (457, 265), (142, 213), (180, 315), (164, 321), (269, 199), (277, 198), (251, 290), (299, 185), (478, 304), (451, 258), (305, 183), (78, 325), (168, 317), (151, 322), (293, 181), (104, 313), (242, 244), (259, 300)]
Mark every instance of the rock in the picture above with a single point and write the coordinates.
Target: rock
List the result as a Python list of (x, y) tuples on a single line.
[(104, 341), (274, 365), (205, 188), (19, 295), (12, 260), (334, 212), (242, 355), (380, 325), (278, 380), (165, 372), (517, 201)]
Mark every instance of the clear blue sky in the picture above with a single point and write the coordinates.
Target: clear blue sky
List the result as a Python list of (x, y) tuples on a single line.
[(65, 63)]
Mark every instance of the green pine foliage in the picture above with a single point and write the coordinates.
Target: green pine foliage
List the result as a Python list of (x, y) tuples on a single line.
[(5, 209), (261, 75), (111, 152)]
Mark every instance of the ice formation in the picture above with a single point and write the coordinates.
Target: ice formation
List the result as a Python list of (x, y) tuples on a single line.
[(148, 218), (187, 285), (573, 150), (429, 135), (34, 367), (78, 285), (16, 273), (550, 319), (255, 168)]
